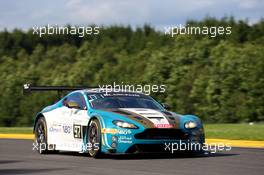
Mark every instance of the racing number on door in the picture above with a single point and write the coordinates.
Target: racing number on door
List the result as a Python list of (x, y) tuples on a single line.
[(77, 132)]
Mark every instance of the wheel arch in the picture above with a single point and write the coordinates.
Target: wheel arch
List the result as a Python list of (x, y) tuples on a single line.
[(39, 115), (95, 117)]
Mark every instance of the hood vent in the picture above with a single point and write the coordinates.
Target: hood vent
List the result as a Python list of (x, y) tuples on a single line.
[(155, 117), (122, 112)]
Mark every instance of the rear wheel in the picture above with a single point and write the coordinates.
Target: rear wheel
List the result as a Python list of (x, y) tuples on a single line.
[(94, 138), (41, 136)]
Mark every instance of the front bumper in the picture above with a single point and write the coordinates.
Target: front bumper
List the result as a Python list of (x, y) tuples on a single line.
[(150, 140)]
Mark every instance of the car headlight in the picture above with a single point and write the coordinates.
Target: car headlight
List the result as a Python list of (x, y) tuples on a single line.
[(190, 125), (123, 124)]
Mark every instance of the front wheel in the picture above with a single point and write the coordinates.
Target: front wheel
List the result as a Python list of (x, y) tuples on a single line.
[(41, 136), (94, 138)]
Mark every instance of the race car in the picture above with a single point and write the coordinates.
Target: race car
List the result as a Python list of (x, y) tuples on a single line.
[(98, 121)]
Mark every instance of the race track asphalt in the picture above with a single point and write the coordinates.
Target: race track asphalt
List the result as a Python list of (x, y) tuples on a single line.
[(17, 157)]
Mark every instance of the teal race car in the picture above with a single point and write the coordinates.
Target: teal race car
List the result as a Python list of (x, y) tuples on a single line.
[(97, 121)]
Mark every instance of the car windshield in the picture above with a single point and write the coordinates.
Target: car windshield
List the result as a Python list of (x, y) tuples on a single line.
[(108, 101)]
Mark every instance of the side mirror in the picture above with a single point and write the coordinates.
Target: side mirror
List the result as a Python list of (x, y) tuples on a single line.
[(166, 106), (72, 104)]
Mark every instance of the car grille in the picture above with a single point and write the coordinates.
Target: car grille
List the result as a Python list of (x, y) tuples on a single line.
[(170, 134), (145, 148)]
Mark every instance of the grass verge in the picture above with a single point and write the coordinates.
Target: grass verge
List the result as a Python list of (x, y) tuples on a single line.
[(241, 131), (16, 130)]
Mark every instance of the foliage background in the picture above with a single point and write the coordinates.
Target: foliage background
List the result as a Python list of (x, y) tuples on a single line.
[(219, 79)]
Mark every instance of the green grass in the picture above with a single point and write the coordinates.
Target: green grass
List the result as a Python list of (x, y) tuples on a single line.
[(221, 131), (15, 130), (235, 131)]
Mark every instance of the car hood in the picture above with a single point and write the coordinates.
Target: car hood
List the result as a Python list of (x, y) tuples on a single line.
[(149, 118)]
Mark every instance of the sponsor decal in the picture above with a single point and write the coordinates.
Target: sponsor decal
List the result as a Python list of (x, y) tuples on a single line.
[(124, 139), (163, 125), (116, 131), (55, 127), (109, 131), (60, 127), (124, 131)]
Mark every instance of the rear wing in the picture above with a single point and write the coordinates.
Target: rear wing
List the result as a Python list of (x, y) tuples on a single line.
[(28, 88)]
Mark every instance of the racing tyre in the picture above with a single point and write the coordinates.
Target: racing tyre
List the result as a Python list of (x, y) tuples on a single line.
[(94, 138), (41, 136)]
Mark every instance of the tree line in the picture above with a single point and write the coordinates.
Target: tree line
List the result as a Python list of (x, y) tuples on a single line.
[(219, 79)]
